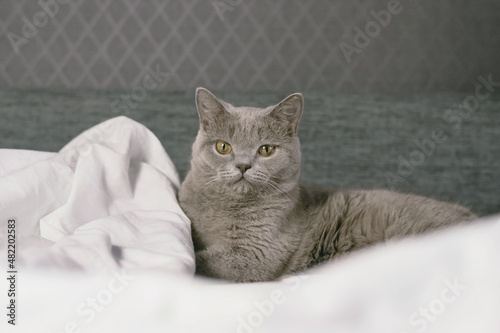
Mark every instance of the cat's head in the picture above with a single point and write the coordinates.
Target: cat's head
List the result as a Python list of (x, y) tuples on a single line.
[(246, 149)]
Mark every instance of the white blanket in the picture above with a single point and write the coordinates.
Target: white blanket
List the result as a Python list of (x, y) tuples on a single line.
[(103, 246), (106, 200)]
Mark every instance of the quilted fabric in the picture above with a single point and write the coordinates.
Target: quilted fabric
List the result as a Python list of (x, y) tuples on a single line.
[(427, 46)]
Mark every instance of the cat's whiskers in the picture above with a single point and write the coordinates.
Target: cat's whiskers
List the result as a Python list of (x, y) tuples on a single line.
[(227, 174), (264, 179), (212, 180), (275, 185)]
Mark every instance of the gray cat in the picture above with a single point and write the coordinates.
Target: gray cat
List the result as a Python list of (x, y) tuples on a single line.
[(252, 221)]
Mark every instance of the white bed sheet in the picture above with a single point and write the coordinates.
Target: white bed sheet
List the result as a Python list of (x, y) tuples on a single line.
[(104, 247), (107, 200)]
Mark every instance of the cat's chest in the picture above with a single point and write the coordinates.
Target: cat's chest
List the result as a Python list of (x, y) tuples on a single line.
[(229, 214), (222, 223)]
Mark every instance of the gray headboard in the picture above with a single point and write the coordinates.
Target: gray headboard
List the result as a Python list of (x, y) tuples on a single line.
[(335, 46)]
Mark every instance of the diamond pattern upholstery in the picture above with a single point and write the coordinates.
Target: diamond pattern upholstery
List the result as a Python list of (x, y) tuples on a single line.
[(253, 44)]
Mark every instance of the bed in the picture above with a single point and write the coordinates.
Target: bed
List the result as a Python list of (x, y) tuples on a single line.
[(103, 246)]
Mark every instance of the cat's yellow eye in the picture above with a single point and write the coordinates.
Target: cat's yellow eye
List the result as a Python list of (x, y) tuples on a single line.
[(223, 147), (266, 150)]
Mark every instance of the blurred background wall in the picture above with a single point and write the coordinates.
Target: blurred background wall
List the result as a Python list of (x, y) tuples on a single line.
[(336, 46)]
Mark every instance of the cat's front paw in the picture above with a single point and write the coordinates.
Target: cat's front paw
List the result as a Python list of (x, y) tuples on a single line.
[(232, 265)]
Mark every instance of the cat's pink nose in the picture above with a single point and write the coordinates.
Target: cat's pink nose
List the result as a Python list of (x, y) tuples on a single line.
[(243, 167)]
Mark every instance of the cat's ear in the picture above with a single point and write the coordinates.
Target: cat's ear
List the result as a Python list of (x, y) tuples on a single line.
[(289, 110), (209, 107)]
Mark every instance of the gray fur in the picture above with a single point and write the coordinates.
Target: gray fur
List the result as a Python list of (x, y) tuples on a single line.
[(261, 224)]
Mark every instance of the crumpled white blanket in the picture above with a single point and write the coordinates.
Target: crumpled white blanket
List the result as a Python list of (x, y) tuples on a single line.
[(102, 246), (107, 200)]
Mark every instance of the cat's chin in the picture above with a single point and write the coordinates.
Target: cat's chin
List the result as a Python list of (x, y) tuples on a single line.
[(242, 186)]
